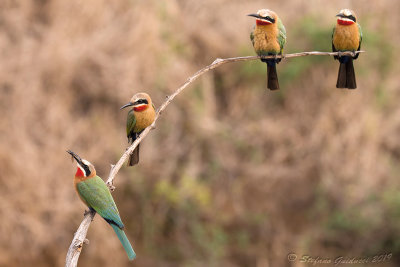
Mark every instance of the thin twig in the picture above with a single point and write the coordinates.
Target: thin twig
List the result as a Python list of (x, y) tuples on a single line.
[(80, 235)]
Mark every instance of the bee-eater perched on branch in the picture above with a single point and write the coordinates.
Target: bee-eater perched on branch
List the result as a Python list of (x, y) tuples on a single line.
[(95, 194), (139, 118), (347, 36), (269, 38)]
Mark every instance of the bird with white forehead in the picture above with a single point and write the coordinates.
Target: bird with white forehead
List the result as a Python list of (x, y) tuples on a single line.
[(346, 36), (139, 118), (92, 190), (268, 38)]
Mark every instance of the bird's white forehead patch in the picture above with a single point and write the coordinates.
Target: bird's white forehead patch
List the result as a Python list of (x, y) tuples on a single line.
[(264, 12), (346, 12)]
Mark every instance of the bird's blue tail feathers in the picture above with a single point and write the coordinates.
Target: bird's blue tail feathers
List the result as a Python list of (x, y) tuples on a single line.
[(124, 241)]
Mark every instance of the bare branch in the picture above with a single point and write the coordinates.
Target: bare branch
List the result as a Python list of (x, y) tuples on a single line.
[(80, 235), (79, 238)]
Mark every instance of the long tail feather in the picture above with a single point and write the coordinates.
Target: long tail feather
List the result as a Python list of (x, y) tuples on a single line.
[(124, 241), (350, 75), (272, 76), (134, 157), (341, 80)]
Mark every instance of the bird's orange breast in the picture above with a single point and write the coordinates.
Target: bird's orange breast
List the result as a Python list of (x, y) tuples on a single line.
[(144, 118), (265, 39), (346, 37)]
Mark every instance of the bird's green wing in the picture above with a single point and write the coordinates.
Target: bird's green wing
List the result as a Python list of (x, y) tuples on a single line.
[(361, 36), (96, 194), (333, 46), (281, 34), (359, 44), (252, 36), (130, 124)]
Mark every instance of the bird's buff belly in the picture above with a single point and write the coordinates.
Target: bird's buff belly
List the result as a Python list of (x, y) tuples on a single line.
[(266, 43), (346, 39), (144, 120)]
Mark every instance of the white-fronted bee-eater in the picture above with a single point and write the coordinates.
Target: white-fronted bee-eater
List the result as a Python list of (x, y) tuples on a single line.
[(347, 36), (94, 193), (269, 38), (139, 118)]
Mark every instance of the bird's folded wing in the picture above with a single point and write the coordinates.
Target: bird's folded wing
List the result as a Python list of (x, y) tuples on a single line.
[(96, 194), (130, 124)]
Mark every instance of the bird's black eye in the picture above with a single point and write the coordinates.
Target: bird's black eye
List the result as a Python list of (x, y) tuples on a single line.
[(140, 101)]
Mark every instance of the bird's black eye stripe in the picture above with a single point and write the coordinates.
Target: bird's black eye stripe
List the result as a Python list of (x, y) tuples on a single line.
[(270, 19), (141, 101), (352, 18), (348, 17), (87, 170)]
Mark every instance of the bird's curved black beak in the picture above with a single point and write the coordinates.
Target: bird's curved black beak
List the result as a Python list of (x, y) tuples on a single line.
[(76, 157), (127, 105), (340, 15), (254, 15)]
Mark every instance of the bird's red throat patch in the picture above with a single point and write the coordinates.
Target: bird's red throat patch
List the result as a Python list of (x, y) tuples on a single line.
[(262, 22), (139, 108), (79, 172), (344, 22)]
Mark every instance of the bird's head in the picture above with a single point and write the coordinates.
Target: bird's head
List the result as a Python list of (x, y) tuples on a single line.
[(346, 17), (265, 17), (140, 102), (85, 168)]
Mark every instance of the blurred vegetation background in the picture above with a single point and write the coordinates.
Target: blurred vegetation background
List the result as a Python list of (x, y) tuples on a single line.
[(234, 174)]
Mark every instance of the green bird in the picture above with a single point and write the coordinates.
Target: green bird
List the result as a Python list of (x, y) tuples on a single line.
[(269, 38), (95, 194), (139, 118)]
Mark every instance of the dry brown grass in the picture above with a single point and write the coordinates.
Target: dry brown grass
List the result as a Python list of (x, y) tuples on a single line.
[(234, 175)]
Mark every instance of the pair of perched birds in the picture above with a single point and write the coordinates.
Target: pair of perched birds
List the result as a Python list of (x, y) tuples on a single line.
[(269, 38), (91, 188)]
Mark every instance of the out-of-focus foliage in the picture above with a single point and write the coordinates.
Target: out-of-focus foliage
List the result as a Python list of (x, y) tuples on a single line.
[(233, 175)]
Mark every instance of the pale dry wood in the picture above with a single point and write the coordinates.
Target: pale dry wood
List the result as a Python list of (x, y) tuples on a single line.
[(80, 235)]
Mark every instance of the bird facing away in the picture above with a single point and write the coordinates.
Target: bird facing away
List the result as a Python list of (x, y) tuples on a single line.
[(347, 36), (139, 118), (269, 38), (94, 193)]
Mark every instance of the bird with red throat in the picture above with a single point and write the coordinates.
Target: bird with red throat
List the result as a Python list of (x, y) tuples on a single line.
[(139, 118), (346, 36)]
